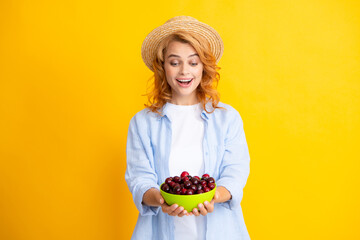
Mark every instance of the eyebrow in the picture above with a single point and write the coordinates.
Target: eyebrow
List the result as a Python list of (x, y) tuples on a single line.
[(174, 55)]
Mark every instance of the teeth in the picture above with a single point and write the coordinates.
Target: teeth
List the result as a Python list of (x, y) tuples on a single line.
[(184, 80)]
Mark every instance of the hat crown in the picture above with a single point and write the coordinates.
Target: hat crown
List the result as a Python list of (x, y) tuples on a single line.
[(173, 25), (181, 18)]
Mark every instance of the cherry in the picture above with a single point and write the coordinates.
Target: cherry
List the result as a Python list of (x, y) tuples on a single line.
[(183, 191), (165, 187), (183, 179), (177, 189), (203, 182), (189, 192), (210, 180), (177, 179), (206, 189), (168, 180), (187, 184), (184, 174), (205, 175), (199, 191), (194, 181), (172, 184), (211, 186), (193, 187)]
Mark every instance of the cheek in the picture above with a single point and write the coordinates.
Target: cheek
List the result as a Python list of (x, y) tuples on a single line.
[(199, 73), (169, 73)]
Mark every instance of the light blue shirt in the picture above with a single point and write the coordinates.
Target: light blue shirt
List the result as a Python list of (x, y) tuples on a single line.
[(226, 158)]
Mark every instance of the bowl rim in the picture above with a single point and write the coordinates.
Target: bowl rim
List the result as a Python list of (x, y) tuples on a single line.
[(179, 195)]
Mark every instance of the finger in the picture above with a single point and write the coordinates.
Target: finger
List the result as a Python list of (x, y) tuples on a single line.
[(161, 200), (213, 201), (196, 212), (165, 208), (177, 211), (216, 196), (183, 213), (169, 209), (202, 209), (209, 206)]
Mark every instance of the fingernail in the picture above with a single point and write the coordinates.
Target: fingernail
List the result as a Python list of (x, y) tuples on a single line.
[(200, 205), (175, 206), (181, 208), (206, 202)]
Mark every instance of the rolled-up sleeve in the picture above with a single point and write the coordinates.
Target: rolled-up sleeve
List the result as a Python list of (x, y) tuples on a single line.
[(235, 166), (140, 175)]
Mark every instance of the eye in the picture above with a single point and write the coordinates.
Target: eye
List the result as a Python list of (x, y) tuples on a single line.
[(174, 63), (194, 64)]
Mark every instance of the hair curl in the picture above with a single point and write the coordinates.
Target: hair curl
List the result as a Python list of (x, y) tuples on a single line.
[(160, 91)]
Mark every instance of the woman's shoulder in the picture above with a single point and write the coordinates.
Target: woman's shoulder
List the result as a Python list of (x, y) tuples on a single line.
[(144, 116), (226, 111)]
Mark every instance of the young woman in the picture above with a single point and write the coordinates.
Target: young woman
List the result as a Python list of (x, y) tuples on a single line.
[(184, 127)]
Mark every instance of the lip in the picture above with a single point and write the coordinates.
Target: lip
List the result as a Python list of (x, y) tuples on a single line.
[(184, 85)]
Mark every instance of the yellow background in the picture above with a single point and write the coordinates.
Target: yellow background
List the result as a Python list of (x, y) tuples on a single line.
[(71, 78)]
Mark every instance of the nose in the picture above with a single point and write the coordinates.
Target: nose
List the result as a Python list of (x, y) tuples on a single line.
[(184, 69)]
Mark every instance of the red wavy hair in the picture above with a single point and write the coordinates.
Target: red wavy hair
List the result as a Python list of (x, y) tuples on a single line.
[(160, 91)]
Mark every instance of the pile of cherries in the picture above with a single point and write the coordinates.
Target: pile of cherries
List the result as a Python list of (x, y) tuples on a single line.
[(188, 185)]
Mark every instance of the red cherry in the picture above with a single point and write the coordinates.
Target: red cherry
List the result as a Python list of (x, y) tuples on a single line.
[(211, 186), (203, 182), (177, 189), (165, 187), (199, 191), (183, 191), (168, 180), (183, 179), (194, 181), (193, 187), (172, 184), (189, 192), (187, 184), (206, 189), (197, 177), (177, 179), (205, 175), (210, 180), (184, 174)]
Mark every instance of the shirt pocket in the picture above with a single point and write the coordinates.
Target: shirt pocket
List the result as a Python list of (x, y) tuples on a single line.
[(216, 153)]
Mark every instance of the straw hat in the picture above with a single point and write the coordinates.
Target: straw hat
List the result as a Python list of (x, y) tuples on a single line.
[(183, 23)]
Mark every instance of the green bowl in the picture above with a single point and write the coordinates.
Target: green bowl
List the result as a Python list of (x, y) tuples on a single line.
[(189, 202)]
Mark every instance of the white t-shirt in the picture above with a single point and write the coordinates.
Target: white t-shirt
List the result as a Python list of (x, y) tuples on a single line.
[(186, 155)]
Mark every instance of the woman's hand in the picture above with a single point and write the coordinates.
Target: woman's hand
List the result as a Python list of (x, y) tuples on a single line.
[(207, 207), (221, 195), (173, 210), (152, 197)]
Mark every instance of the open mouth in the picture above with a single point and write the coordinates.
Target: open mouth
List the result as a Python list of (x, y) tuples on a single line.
[(184, 82)]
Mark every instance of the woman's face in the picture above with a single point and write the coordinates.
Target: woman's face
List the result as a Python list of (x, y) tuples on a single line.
[(183, 70)]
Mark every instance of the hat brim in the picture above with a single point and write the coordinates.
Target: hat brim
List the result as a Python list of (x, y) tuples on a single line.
[(153, 39)]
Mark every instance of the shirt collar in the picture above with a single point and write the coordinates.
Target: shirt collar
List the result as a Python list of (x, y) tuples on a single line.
[(204, 114)]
